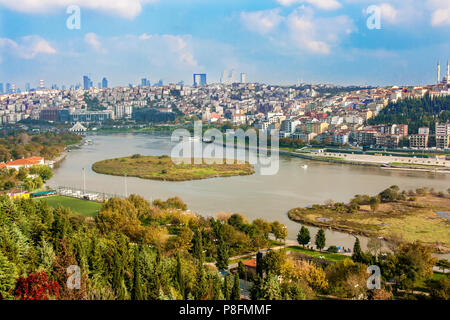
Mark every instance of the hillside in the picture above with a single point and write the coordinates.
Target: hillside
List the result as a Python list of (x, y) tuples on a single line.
[(416, 113)]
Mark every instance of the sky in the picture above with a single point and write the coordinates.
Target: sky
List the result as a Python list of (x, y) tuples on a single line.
[(344, 42)]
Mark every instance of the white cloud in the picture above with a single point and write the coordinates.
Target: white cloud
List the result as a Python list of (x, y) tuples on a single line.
[(261, 22), (321, 4), (123, 8), (161, 50), (317, 35), (388, 12), (300, 31), (440, 12), (27, 47), (180, 47), (93, 40)]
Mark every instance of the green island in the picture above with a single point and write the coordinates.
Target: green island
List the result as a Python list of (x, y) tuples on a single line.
[(164, 169), (394, 215)]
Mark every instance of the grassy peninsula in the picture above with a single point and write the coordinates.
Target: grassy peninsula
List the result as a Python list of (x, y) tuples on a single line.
[(394, 215), (164, 169)]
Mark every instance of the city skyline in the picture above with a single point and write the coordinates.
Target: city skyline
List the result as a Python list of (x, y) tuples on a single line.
[(272, 41)]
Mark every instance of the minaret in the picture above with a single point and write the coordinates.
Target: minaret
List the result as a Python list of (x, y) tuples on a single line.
[(439, 72), (448, 72)]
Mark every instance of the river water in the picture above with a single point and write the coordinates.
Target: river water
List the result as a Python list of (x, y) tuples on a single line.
[(256, 196)]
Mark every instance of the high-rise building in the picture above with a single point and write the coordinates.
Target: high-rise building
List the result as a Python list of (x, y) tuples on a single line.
[(447, 77), (1, 88), (27, 87), (243, 78), (199, 79), (104, 83), (439, 72), (41, 84), (232, 76), (143, 82), (99, 85), (8, 87), (224, 76), (86, 83), (442, 135)]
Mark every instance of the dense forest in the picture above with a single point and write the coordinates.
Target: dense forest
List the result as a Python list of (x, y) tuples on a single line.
[(152, 115), (22, 145), (416, 113), (139, 250)]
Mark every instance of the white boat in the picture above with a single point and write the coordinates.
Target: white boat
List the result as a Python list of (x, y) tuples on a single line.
[(305, 166)]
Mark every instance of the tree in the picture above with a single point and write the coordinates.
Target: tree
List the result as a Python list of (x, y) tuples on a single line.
[(357, 255), (374, 203), (36, 287), (320, 239), (236, 291), (201, 283), (266, 289), (8, 273), (303, 237), (279, 231), (414, 263), (222, 255), (197, 250), (226, 288), (179, 278), (241, 270), (273, 261), (439, 289), (263, 226), (43, 171), (138, 290)]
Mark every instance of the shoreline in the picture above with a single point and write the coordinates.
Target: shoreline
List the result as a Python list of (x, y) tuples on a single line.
[(355, 233), (348, 162)]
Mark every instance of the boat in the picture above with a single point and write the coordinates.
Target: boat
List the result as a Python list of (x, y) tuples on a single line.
[(305, 166), (208, 140)]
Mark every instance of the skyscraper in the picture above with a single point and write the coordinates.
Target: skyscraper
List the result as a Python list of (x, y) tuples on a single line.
[(232, 76), (104, 83), (143, 82), (8, 87), (199, 79), (439, 72), (1, 88), (224, 76), (86, 82), (27, 87), (243, 78), (41, 84), (448, 73)]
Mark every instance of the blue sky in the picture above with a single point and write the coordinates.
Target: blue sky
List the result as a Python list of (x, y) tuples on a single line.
[(273, 41)]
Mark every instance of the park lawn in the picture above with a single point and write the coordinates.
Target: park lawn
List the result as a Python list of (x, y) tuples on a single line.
[(407, 220), (78, 206), (317, 254), (163, 168)]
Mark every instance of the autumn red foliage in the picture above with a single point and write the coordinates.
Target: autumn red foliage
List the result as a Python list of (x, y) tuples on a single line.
[(36, 287)]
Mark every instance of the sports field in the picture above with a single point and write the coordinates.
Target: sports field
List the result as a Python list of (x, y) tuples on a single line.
[(84, 207)]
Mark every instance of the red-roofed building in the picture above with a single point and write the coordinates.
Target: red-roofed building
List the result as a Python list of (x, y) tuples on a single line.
[(2, 165), (27, 163), (250, 265)]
